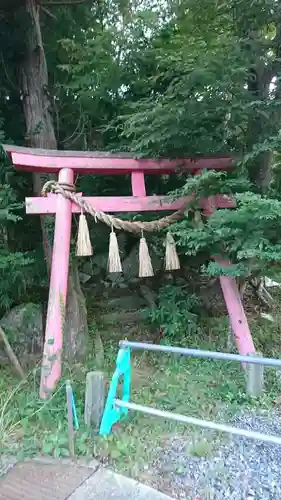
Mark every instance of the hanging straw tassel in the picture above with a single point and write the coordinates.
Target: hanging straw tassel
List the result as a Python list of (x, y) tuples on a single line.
[(145, 265), (83, 246), (171, 258), (114, 261)]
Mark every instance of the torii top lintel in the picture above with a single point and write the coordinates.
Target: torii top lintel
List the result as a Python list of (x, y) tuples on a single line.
[(95, 162), (87, 162)]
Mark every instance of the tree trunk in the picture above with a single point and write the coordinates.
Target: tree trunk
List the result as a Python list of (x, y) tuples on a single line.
[(40, 133), (75, 341), (260, 170)]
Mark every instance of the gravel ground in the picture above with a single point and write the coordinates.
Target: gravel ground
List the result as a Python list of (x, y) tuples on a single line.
[(235, 467)]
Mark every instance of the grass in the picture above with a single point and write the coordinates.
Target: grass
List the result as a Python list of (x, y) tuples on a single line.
[(197, 387), (200, 448)]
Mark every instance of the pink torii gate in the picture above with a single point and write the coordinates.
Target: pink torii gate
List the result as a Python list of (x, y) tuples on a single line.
[(68, 163)]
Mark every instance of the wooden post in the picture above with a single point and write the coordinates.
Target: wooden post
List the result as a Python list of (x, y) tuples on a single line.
[(68, 390), (11, 355), (254, 378), (94, 399)]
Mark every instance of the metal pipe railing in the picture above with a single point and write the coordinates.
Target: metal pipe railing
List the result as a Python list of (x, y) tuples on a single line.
[(257, 360), (267, 438)]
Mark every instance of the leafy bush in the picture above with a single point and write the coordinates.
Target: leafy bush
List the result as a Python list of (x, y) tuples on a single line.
[(176, 312), (15, 271), (249, 235)]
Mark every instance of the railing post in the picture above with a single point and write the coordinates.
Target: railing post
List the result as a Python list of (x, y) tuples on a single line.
[(51, 364), (255, 378)]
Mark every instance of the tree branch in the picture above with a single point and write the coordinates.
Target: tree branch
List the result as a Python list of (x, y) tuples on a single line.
[(47, 11), (64, 2)]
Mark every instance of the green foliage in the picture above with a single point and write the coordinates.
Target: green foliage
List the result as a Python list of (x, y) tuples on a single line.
[(176, 313), (196, 100), (202, 83), (8, 205), (249, 235), (200, 448), (56, 444), (14, 269), (15, 266), (211, 183)]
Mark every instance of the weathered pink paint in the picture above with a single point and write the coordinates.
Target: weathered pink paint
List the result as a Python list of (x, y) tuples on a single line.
[(110, 164), (237, 316), (51, 368), (138, 184), (235, 309), (123, 204)]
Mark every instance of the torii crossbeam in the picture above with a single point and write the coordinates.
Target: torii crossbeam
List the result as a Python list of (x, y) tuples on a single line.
[(66, 164)]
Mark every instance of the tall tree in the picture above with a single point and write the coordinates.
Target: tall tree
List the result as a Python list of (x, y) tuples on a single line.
[(32, 72), (205, 79), (215, 86)]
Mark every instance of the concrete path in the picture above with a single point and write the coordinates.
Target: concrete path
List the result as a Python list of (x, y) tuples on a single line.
[(106, 485), (44, 479)]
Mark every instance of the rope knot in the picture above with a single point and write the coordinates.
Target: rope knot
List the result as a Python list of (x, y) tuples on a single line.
[(57, 187), (49, 187)]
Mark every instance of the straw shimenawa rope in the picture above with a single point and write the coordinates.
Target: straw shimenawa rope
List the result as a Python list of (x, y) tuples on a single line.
[(68, 191)]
